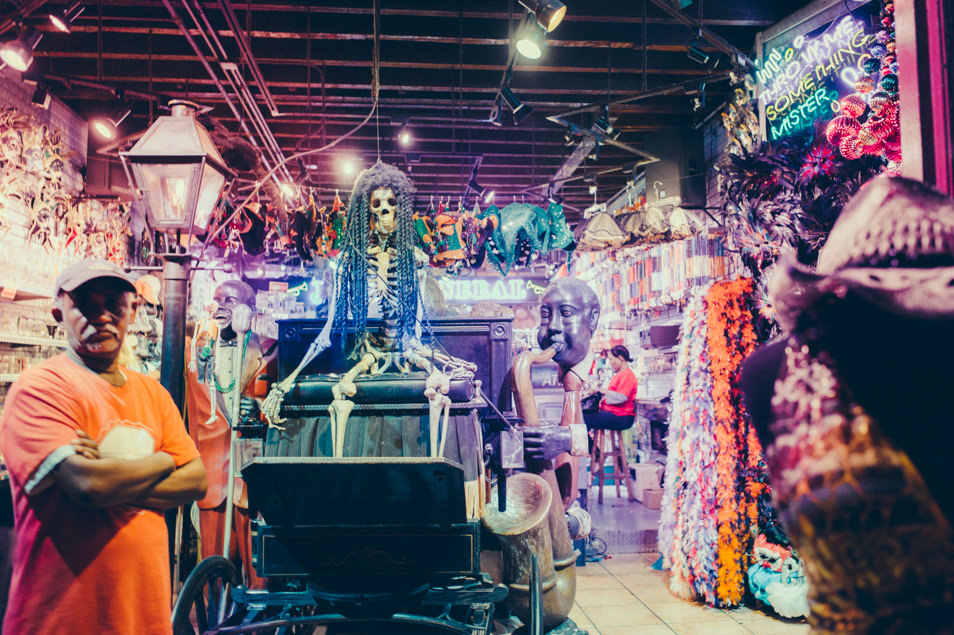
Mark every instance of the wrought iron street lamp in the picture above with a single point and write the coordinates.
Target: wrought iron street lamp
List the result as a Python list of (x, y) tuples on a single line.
[(177, 172), (179, 177)]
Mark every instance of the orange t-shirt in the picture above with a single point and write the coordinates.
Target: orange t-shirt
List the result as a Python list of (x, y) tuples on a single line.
[(86, 569)]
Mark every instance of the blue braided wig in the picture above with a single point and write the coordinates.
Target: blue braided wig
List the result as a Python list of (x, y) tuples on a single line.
[(351, 312)]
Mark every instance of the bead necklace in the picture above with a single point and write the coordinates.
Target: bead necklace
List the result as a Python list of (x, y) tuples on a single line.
[(215, 379)]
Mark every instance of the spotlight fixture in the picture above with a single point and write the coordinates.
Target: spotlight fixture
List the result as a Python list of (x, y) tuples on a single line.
[(404, 137), (494, 118), (489, 197), (18, 53), (549, 13), (699, 101), (476, 187), (108, 127), (520, 110), (695, 52), (603, 125), (472, 184), (63, 20), (41, 96), (531, 39)]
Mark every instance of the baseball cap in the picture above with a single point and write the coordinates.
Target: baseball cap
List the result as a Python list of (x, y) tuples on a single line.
[(148, 286), (83, 271)]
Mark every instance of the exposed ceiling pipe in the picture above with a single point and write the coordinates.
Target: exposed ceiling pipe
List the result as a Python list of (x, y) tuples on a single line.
[(23, 12), (600, 138), (683, 86), (243, 92), (574, 161), (248, 57), (208, 68), (272, 154)]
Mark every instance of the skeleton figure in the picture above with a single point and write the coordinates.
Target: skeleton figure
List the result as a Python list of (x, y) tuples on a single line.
[(378, 274)]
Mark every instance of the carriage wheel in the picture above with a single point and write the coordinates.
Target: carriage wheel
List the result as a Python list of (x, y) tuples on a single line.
[(205, 600)]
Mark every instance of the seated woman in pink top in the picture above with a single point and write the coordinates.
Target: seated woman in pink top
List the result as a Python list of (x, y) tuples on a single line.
[(617, 408)]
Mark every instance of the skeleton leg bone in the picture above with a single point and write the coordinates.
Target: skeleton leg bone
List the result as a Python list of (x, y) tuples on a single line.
[(340, 408), (435, 390)]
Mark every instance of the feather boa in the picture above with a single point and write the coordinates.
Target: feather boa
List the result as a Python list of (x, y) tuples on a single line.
[(709, 510)]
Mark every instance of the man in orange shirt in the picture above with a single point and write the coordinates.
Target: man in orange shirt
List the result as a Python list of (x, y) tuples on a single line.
[(94, 452)]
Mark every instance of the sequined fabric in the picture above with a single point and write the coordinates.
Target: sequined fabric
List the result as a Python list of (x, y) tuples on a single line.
[(878, 552)]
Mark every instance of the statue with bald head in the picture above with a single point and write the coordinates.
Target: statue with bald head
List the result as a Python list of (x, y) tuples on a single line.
[(569, 313), (228, 358)]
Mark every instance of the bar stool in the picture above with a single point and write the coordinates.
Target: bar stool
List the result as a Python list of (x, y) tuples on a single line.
[(617, 456)]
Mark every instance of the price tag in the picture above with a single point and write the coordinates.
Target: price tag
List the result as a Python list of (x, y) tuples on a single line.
[(274, 286), (9, 293)]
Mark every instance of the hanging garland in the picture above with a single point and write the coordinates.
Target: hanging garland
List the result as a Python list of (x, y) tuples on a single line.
[(687, 530), (731, 338), (714, 472)]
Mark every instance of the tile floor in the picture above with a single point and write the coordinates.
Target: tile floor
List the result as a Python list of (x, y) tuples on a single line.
[(622, 594)]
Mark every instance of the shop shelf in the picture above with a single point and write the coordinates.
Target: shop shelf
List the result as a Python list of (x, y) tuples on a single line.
[(25, 340), (25, 293)]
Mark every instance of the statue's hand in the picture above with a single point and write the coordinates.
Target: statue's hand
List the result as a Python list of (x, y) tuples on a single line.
[(546, 442)]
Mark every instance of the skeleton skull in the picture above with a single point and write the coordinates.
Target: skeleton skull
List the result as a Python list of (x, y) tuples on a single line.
[(384, 210)]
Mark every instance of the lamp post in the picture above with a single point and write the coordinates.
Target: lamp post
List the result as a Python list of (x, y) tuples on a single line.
[(179, 177)]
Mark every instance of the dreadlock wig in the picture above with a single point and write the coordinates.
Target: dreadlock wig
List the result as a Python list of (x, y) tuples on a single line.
[(351, 312)]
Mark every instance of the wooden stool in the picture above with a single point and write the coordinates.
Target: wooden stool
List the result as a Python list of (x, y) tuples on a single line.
[(617, 457)]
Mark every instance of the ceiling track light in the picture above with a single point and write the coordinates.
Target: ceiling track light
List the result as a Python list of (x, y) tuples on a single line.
[(41, 96), (18, 53), (603, 125), (695, 52), (549, 13), (477, 188), (520, 110), (494, 118), (531, 40), (63, 21), (108, 127), (699, 101)]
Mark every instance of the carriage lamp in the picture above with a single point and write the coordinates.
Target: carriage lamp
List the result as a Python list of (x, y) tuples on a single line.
[(178, 176), (176, 171)]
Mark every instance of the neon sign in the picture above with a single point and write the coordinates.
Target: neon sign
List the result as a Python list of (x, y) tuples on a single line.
[(502, 290), (801, 82)]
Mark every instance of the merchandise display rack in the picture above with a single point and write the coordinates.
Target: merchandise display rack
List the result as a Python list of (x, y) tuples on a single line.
[(27, 340)]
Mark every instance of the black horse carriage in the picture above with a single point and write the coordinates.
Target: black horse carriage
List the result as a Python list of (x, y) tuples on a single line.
[(386, 540)]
